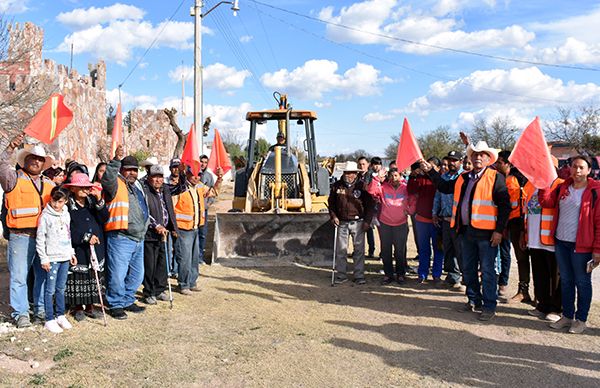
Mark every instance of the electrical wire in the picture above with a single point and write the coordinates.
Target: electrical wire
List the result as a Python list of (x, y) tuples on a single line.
[(152, 44), (408, 41)]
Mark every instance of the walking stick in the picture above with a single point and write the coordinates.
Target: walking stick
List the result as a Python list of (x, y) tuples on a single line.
[(168, 282), (334, 254), (96, 268)]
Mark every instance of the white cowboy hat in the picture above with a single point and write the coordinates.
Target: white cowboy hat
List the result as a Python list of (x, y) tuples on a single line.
[(351, 167), (36, 150), (482, 146), (151, 161)]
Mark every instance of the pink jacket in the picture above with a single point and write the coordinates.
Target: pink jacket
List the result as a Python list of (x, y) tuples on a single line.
[(394, 203)]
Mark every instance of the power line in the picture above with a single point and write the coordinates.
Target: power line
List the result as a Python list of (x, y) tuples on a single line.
[(404, 40), (287, 23), (152, 44)]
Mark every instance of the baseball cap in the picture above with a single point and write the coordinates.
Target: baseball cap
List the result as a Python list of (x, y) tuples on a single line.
[(156, 170), (175, 162), (129, 162), (456, 155)]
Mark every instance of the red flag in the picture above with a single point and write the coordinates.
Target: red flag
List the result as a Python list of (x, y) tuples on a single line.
[(49, 121), (191, 152), (532, 156), (408, 149), (218, 155), (117, 131)]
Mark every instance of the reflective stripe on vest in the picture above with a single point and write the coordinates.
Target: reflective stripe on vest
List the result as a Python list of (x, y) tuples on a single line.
[(484, 211), (118, 209), (516, 197), (185, 208), (25, 203), (547, 215)]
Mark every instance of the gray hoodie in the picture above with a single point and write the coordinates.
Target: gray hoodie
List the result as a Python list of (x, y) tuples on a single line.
[(53, 241)]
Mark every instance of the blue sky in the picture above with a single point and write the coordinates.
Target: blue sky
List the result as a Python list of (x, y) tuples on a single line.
[(361, 81)]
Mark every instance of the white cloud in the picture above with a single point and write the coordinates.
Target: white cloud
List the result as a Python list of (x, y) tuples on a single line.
[(83, 18), (526, 87), (319, 76), (246, 38), (518, 116), (13, 6), (377, 116), (129, 101), (385, 17), (216, 75), (116, 41), (584, 27), (570, 52)]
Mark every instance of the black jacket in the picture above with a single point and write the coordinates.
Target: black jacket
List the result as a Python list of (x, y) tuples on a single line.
[(499, 196), (155, 206)]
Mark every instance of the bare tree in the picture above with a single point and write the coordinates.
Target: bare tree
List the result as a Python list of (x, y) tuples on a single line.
[(171, 114), (579, 127), (500, 133), (27, 92)]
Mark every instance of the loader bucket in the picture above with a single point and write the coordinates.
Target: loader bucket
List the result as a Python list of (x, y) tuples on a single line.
[(267, 239)]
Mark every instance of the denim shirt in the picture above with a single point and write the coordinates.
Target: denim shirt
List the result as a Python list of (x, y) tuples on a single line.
[(442, 203)]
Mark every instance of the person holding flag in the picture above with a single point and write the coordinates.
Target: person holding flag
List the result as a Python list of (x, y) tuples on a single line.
[(479, 215), (26, 194)]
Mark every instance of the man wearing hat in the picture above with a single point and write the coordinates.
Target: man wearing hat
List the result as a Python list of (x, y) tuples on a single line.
[(125, 231), (480, 213), (442, 215), (162, 221), (351, 209), (26, 193), (173, 179)]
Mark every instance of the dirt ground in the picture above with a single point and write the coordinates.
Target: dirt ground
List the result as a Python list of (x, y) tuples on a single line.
[(285, 326)]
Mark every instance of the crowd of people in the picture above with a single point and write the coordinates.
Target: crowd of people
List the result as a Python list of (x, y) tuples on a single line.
[(76, 242), (466, 212), (73, 240)]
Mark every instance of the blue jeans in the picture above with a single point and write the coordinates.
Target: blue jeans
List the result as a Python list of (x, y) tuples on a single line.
[(188, 258), (476, 253), (573, 276), (504, 262), (428, 236), (202, 233), (21, 256), (171, 262), (54, 295), (125, 267)]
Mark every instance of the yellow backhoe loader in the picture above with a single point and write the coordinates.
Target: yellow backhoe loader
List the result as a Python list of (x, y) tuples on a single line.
[(279, 212)]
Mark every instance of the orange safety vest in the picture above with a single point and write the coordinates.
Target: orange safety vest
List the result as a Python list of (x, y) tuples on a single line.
[(185, 208), (483, 210), (25, 203), (547, 215), (516, 197), (118, 208)]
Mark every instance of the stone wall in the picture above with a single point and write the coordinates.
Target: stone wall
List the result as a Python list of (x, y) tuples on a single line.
[(150, 132)]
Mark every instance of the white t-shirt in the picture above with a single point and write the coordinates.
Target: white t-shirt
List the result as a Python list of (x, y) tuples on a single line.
[(568, 219), (534, 220)]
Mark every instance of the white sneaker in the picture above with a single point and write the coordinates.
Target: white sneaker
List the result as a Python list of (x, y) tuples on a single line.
[(577, 327), (561, 323), (53, 327), (552, 317), (64, 323)]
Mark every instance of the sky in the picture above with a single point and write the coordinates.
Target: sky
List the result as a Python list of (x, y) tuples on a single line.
[(361, 65)]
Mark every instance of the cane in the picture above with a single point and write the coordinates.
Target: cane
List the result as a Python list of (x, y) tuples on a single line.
[(96, 268), (335, 234), (168, 282)]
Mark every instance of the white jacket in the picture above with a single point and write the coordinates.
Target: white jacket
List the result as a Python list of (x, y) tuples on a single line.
[(53, 241)]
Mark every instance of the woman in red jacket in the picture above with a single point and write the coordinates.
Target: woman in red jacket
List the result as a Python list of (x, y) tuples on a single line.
[(576, 228)]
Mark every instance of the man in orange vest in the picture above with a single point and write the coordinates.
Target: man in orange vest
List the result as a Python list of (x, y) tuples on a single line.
[(26, 193), (515, 182), (125, 230), (190, 215), (480, 213)]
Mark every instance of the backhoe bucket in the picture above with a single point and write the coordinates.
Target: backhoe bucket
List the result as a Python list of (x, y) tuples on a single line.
[(266, 239)]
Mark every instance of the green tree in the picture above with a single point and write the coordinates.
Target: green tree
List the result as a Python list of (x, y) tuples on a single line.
[(499, 133), (436, 143), (261, 148)]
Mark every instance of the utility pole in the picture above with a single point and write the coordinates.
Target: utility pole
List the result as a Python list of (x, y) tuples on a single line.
[(196, 12)]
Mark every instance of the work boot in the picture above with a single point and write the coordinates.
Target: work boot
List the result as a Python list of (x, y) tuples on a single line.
[(521, 296)]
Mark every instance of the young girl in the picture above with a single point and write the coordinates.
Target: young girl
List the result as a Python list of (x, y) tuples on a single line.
[(53, 246)]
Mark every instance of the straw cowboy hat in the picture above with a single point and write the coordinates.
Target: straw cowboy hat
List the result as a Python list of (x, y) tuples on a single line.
[(151, 161), (36, 150), (482, 146), (351, 167)]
